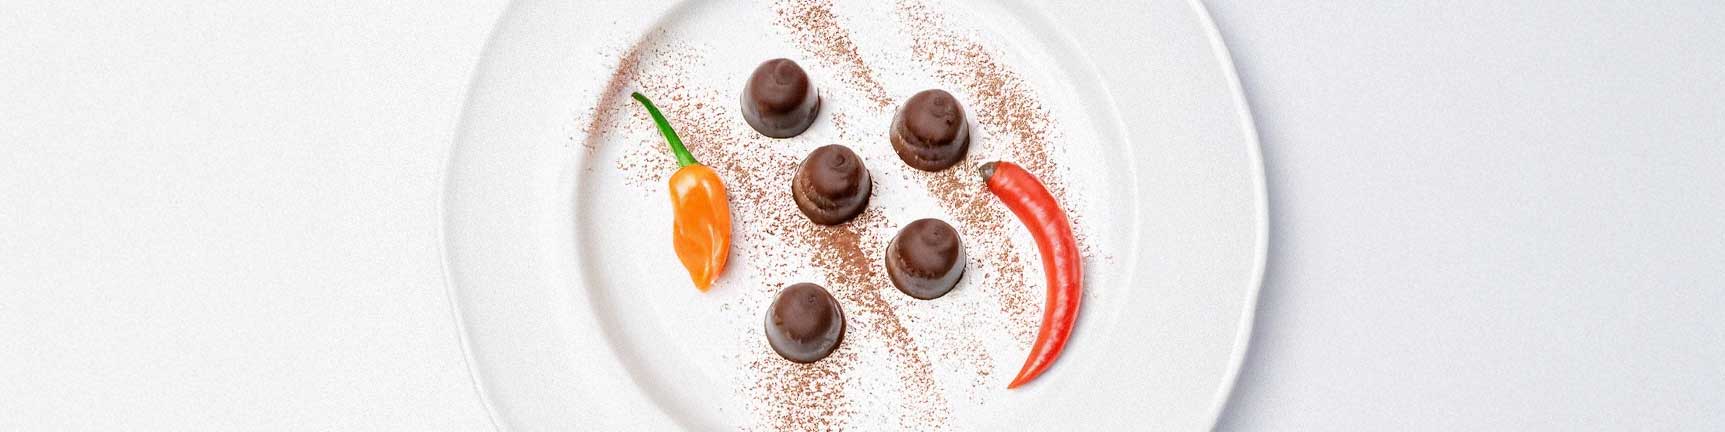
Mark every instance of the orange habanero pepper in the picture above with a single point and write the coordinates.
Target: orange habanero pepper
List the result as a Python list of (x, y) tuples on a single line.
[(702, 223)]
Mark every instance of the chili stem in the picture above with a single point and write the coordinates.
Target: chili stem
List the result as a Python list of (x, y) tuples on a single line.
[(683, 157)]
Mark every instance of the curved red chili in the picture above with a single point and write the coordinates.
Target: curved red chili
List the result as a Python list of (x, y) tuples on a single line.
[(1037, 209)]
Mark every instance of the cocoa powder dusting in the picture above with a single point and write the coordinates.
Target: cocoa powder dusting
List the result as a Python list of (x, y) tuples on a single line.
[(984, 224), (788, 396), (820, 34), (973, 353), (606, 108), (1000, 98), (774, 240), (804, 397), (1010, 110), (848, 253)]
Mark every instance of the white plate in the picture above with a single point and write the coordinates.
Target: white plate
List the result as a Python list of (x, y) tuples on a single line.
[(576, 315)]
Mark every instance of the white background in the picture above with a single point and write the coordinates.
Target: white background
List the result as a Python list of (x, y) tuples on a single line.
[(1484, 215)]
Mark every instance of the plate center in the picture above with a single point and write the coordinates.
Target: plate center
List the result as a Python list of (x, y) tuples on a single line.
[(912, 363)]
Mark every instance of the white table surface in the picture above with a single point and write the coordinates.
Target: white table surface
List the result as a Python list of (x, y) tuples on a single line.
[(1484, 215)]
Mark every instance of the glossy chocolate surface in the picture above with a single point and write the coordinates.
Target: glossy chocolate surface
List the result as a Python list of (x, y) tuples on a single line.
[(805, 323), (926, 259), (779, 101), (831, 186), (930, 131)]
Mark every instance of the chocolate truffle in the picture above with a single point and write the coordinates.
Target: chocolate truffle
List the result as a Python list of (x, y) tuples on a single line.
[(779, 101), (805, 323), (926, 259), (930, 132), (832, 185)]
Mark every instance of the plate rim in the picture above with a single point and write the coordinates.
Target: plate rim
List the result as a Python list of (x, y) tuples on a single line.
[(463, 122), (1241, 107), (1261, 205)]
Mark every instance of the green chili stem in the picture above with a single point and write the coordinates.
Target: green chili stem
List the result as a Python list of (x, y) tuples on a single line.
[(683, 157)]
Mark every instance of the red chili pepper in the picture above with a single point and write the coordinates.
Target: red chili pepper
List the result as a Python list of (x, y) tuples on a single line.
[(1039, 212)]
